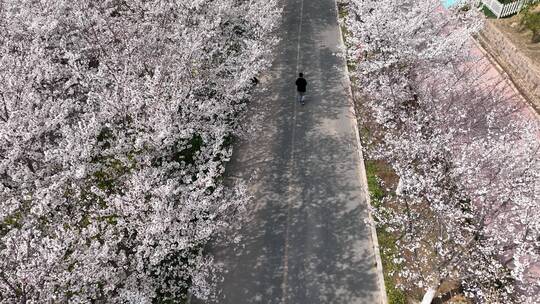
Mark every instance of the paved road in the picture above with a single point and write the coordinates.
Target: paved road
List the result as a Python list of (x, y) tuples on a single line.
[(307, 241)]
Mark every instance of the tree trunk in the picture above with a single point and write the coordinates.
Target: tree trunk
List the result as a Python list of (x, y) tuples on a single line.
[(429, 295)]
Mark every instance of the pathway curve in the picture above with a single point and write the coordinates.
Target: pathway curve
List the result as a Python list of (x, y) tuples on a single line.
[(307, 242)]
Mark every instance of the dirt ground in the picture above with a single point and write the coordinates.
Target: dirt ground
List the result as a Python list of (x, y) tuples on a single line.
[(520, 37)]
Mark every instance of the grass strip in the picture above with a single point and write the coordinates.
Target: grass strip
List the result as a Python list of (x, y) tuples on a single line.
[(387, 241)]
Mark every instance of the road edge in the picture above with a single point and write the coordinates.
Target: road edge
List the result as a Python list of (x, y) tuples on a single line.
[(362, 168)]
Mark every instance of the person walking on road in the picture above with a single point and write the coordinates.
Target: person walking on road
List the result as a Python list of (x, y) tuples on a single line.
[(301, 85)]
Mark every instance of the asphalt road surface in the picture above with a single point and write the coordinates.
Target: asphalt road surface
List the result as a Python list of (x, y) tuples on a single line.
[(307, 241)]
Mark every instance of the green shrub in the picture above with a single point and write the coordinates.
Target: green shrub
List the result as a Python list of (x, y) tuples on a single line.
[(531, 20)]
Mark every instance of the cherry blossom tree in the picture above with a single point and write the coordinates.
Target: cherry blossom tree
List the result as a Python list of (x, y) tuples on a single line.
[(466, 157), (115, 125)]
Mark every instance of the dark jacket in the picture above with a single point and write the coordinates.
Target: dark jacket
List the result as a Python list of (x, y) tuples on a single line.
[(301, 84)]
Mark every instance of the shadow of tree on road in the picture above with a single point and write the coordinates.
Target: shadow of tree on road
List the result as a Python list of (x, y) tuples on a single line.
[(311, 205)]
